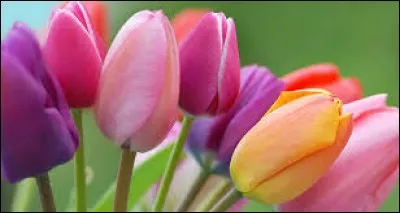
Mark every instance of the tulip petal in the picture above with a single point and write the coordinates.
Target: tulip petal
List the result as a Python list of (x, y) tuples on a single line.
[(281, 187), (348, 89), (200, 65), (307, 77), (263, 91), (154, 131), (127, 95), (229, 70), (171, 138), (367, 169), (357, 108), (263, 143), (22, 158), (98, 14), (287, 97), (27, 50), (68, 42), (185, 21), (219, 135)]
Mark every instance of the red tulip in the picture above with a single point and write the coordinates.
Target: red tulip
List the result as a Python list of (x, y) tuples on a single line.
[(324, 76)]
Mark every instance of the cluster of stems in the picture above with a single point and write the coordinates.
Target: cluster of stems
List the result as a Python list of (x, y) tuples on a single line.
[(220, 199)]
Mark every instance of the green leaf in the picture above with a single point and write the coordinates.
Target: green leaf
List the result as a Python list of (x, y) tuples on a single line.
[(144, 176), (23, 195)]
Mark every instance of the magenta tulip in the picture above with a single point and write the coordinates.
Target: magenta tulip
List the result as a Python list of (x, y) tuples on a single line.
[(138, 94), (74, 52), (368, 168), (210, 65)]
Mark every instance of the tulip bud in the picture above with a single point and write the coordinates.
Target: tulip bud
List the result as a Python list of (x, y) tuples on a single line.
[(209, 62), (139, 86), (185, 21), (37, 131), (74, 53), (219, 135), (292, 146), (368, 168), (327, 77)]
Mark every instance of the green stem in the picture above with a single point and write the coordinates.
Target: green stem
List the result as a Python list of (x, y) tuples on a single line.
[(80, 175), (201, 179), (171, 165), (45, 193), (214, 196), (124, 180), (227, 201), (23, 195)]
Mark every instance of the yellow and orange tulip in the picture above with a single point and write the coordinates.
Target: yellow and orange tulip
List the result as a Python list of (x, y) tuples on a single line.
[(291, 147)]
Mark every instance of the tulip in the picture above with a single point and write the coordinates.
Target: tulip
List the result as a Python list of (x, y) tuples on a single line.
[(292, 146), (367, 169), (74, 53), (98, 15), (210, 65), (37, 131), (186, 172), (185, 21), (324, 76), (219, 135), (139, 86)]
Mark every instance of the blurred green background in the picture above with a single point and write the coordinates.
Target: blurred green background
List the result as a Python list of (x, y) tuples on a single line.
[(362, 38)]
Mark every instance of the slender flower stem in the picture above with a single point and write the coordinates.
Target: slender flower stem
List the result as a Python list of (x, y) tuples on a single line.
[(171, 165), (23, 195), (201, 179), (80, 175), (124, 180), (227, 201), (45, 193), (214, 196)]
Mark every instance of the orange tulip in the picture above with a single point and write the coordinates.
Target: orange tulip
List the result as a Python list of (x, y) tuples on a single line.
[(325, 76), (291, 147)]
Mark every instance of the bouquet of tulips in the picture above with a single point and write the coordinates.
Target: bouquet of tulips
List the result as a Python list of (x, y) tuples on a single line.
[(231, 133)]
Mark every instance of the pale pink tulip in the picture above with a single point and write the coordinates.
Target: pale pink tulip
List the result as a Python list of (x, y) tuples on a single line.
[(368, 168), (139, 85), (74, 53)]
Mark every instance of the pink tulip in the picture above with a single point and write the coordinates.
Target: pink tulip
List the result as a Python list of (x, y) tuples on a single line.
[(210, 66), (368, 168), (74, 52), (139, 86)]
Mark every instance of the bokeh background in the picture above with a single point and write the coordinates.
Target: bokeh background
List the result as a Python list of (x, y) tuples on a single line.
[(362, 38)]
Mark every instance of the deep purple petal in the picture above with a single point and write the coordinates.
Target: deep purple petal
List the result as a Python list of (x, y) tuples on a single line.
[(37, 131)]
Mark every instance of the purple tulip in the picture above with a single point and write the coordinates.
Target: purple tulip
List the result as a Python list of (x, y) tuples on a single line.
[(210, 66), (37, 131), (219, 135)]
